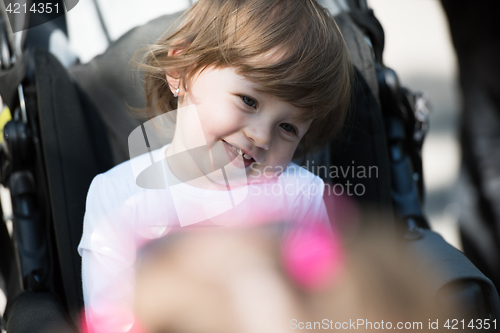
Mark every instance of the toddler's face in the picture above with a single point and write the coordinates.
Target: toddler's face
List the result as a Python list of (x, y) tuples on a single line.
[(234, 115)]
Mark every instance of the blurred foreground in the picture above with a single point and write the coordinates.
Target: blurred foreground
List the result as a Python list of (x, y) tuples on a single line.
[(263, 280)]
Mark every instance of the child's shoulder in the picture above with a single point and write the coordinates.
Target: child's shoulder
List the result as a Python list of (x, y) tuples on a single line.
[(299, 174), (298, 182), (121, 179)]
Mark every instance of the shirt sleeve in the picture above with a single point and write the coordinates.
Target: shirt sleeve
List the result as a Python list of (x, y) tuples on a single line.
[(108, 252), (309, 206)]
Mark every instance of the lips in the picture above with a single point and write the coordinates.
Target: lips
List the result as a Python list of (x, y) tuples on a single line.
[(234, 151)]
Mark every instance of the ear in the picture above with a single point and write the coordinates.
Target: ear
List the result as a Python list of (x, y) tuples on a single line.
[(173, 78)]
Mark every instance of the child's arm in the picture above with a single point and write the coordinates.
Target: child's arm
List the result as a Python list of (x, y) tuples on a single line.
[(309, 206), (108, 294), (108, 255)]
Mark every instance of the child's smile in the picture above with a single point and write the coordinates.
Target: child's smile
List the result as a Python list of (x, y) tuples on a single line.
[(235, 152), (260, 133)]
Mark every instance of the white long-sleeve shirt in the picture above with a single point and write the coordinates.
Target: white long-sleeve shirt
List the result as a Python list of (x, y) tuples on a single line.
[(121, 217)]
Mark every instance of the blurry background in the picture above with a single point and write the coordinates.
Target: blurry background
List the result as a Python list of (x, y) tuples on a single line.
[(419, 48)]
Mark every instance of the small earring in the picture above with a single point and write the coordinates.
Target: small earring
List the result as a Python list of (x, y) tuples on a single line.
[(176, 92)]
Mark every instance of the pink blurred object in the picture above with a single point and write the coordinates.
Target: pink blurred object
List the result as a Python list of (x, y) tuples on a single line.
[(312, 257), (86, 328)]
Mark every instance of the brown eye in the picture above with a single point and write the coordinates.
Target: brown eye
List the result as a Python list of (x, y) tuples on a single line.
[(248, 101), (289, 128)]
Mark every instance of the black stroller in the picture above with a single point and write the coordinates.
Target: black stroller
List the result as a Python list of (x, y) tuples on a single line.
[(71, 124)]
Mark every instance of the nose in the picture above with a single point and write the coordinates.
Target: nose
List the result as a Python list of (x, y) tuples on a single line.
[(260, 136)]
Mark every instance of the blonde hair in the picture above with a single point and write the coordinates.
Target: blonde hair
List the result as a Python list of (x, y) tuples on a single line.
[(310, 67)]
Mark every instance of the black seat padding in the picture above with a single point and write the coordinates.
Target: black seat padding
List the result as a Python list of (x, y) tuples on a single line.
[(74, 151), (38, 312), (114, 85)]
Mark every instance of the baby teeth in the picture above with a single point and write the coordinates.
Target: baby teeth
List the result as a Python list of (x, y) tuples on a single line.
[(240, 152)]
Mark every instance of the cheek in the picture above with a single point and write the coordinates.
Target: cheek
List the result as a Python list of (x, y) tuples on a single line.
[(221, 120), (283, 154)]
